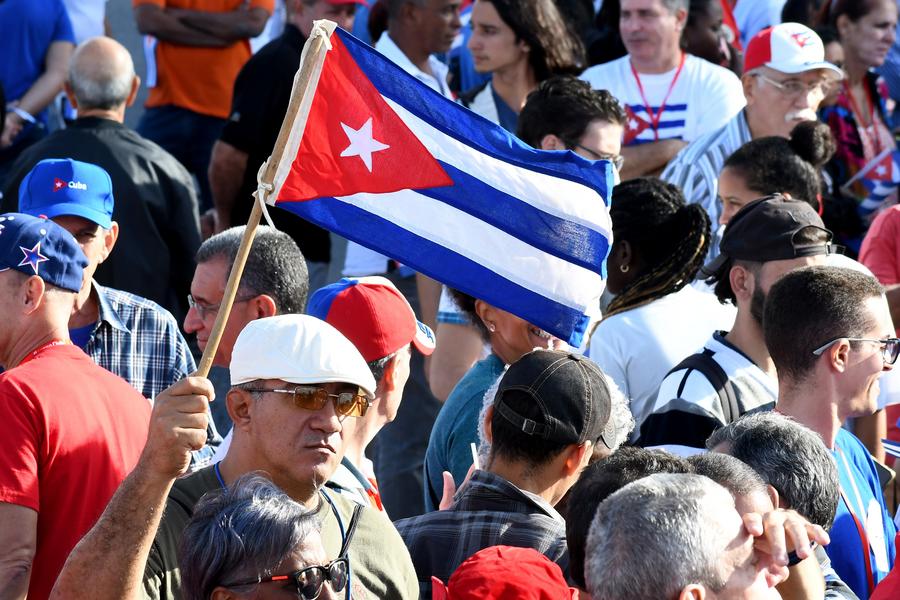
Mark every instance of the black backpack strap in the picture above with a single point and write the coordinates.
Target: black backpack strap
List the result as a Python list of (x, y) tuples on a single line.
[(351, 528), (706, 365)]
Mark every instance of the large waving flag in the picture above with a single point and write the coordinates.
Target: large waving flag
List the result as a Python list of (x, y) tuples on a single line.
[(879, 180), (387, 162)]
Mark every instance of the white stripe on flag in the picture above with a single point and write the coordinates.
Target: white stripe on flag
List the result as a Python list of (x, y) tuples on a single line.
[(485, 244), (559, 197)]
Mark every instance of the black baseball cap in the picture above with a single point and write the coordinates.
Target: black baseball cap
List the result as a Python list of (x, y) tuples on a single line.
[(564, 398), (765, 230)]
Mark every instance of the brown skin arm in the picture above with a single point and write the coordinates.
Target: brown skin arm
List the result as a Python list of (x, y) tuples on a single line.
[(18, 541), (230, 26), (162, 24), (227, 167), (456, 349), (647, 159), (805, 580)]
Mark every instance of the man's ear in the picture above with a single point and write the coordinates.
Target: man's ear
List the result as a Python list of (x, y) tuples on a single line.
[(681, 16), (742, 282), (239, 405), (693, 591), (552, 142), (748, 82), (70, 94), (389, 378), (34, 291), (109, 240), (838, 356), (577, 457), (488, 432), (774, 496), (263, 306), (132, 95)]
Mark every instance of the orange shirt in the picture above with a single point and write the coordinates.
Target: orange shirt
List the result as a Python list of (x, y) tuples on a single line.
[(196, 78)]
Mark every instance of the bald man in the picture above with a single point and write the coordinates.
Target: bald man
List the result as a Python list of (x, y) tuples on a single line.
[(156, 203)]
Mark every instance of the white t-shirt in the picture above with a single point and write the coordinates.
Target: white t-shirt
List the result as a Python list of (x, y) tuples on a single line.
[(638, 347), (752, 16), (86, 17), (705, 97)]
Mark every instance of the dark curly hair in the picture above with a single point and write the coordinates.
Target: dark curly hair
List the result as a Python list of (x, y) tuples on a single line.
[(564, 106), (670, 236)]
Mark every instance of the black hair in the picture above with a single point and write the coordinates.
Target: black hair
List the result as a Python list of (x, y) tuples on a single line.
[(853, 9), (670, 237), (771, 165), (800, 11), (466, 305), (809, 307), (731, 473), (564, 106), (827, 34), (599, 481), (554, 47)]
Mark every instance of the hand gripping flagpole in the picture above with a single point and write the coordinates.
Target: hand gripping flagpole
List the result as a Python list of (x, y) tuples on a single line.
[(272, 172)]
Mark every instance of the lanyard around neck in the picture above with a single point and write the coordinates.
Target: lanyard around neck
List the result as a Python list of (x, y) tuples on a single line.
[(655, 117)]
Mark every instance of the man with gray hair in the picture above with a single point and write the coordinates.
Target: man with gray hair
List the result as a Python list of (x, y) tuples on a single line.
[(157, 204), (703, 548)]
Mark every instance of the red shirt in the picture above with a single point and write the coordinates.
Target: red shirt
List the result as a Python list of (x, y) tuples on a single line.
[(69, 434)]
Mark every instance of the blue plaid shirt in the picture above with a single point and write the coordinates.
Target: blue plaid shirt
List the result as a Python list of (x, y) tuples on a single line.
[(140, 341)]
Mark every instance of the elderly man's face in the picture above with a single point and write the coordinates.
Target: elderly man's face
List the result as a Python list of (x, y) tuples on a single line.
[(776, 107), (648, 28), (207, 290), (746, 576), (299, 447)]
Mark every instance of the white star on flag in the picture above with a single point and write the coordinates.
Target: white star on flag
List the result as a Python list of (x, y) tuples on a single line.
[(632, 124), (362, 143), (881, 171)]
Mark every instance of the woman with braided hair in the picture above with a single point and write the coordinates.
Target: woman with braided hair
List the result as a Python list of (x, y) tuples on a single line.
[(656, 318)]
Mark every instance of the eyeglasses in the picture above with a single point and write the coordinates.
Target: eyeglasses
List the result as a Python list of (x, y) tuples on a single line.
[(794, 88), (205, 310), (889, 352), (616, 160), (309, 581), (346, 404)]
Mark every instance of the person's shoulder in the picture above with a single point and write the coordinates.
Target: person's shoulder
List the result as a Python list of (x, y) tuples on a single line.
[(709, 71), (605, 75), (187, 491), (137, 310)]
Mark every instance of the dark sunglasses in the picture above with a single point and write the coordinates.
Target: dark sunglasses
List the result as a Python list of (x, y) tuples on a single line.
[(309, 581), (346, 404)]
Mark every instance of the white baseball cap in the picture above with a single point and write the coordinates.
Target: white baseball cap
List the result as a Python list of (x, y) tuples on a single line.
[(298, 349), (789, 48)]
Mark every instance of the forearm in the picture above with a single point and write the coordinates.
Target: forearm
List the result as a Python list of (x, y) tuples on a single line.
[(50, 83), (805, 580), (152, 20), (120, 542), (227, 166), (649, 158), (230, 26)]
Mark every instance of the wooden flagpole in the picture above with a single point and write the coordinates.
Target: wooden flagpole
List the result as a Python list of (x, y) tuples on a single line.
[(310, 67)]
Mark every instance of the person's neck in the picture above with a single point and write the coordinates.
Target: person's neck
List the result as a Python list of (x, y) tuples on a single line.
[(856, 71), (238, 462), (87, 308), (113, 114), (747, 336), (514, 84), (662, 63), (528, 480), (30, 339), (409, 46), (359, 435), (810, 405)]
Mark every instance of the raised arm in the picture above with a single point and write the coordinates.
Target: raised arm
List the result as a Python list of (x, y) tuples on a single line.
[(114, 552)]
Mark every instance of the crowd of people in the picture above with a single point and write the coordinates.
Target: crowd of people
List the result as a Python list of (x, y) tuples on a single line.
[(727, 429)]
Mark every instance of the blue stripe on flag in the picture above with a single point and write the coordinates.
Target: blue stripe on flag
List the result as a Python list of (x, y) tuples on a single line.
[(462, 124), (457, 271), (671, 124), (636, 108), (562, 238)]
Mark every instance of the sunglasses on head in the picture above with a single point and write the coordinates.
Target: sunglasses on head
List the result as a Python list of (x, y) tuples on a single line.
[(346, 404), (309, 581)]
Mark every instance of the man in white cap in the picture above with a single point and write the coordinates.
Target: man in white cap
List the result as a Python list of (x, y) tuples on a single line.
[(785, 78), (295, 379)]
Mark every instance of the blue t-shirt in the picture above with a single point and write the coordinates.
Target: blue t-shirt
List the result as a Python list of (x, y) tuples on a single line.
[(456, 428), (80, 336), (27, 28), (861, 488)]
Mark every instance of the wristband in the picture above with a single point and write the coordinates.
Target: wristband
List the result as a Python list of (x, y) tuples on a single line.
[(22, 114), (794, 560)]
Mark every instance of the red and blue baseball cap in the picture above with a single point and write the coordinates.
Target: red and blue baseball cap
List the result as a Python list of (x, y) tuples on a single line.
[(37, 246), (373, 314), (58, 187)]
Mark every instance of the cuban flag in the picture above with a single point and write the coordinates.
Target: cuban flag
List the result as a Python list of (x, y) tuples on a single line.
[(879, 178), (394, 166)]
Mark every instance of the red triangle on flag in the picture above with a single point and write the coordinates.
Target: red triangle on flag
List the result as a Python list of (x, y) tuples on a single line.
[(634, 125), (354, 141), (883, 170)]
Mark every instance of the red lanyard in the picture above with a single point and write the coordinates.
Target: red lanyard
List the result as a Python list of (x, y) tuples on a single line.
[(863, 538), (40, 349), (655, 117), (871, 131)]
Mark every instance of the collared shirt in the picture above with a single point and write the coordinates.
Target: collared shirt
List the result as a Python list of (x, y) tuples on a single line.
[(139, 341), (696, 168), (489, 511), (437, 81)]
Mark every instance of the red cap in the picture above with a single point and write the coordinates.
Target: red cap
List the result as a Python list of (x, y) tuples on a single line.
[(505, 572), (373, 314), (789, 48)]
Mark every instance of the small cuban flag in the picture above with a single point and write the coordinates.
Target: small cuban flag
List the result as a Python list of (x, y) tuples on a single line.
[(879, 178), (387, 162)]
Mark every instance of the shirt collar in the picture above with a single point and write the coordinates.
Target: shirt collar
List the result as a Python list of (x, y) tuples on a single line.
[(107, 313), (438, 81), (485, 480)]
